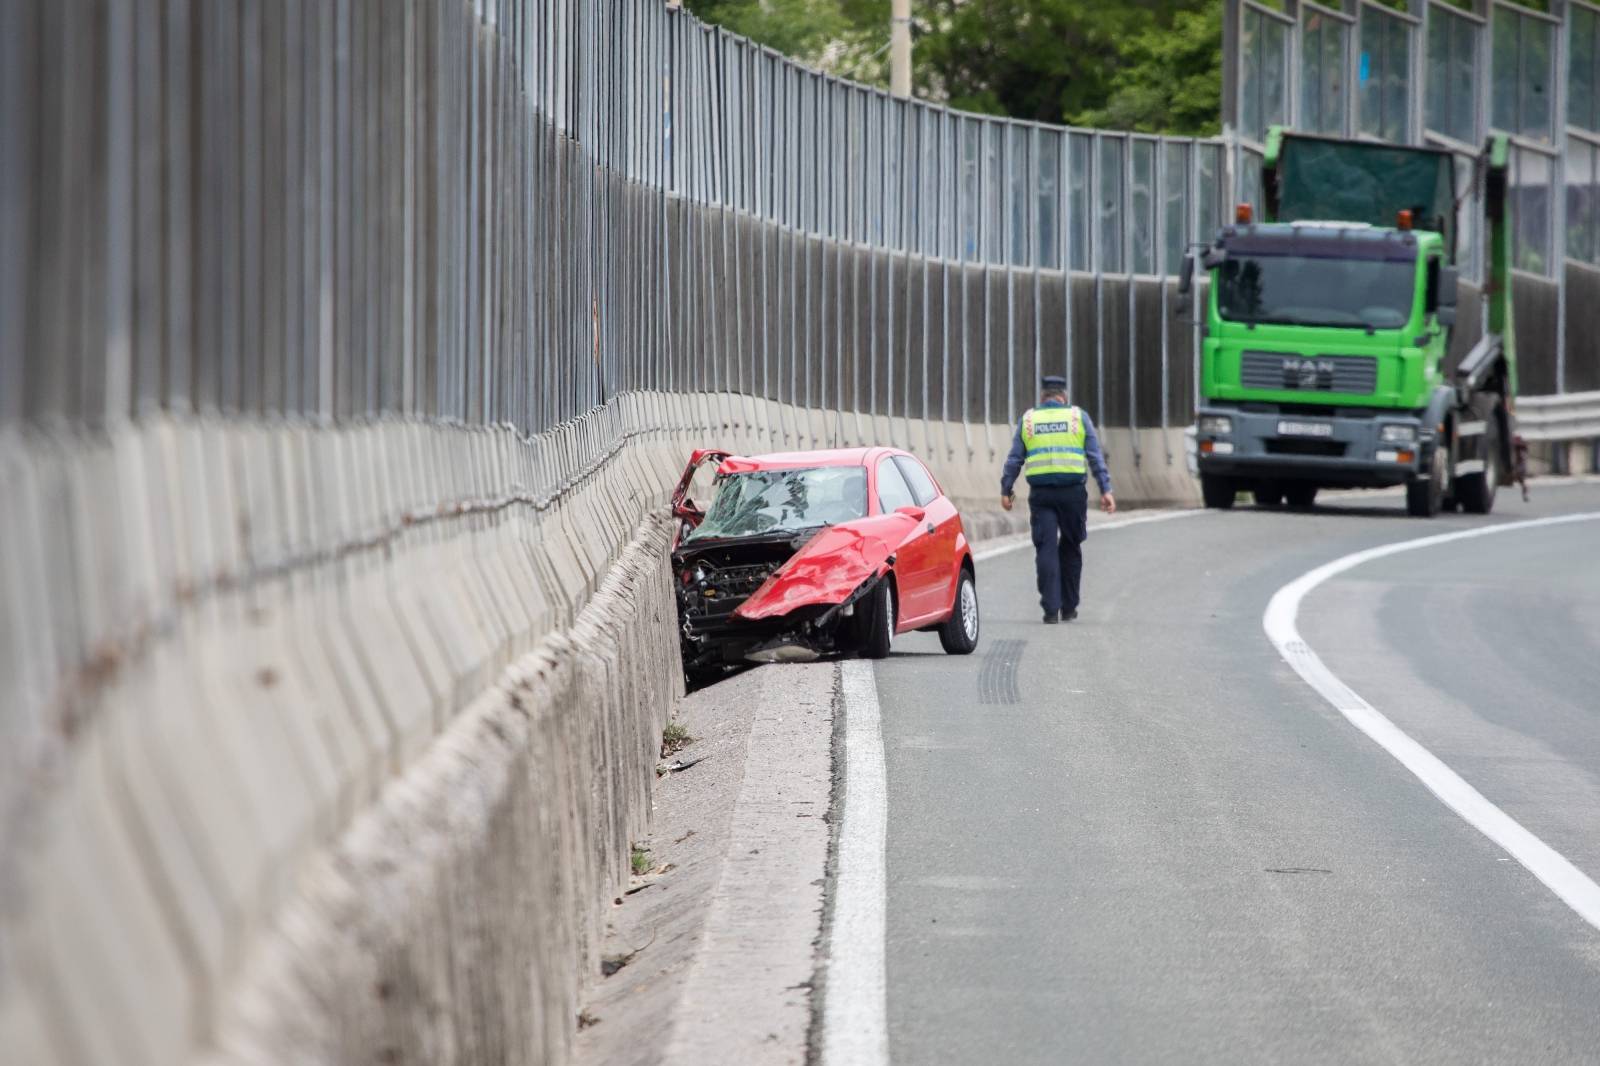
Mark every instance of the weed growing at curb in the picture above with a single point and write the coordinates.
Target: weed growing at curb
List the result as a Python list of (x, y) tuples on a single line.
[(640, 861), (674, 738)]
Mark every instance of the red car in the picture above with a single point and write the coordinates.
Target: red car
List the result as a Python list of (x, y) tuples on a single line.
[(806, 554)]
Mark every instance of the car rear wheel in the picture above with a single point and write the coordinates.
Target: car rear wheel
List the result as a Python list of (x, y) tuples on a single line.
[(878, 621), (959, 634)]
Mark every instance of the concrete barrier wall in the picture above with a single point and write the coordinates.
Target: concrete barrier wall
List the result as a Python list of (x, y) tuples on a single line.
[(337, 704)]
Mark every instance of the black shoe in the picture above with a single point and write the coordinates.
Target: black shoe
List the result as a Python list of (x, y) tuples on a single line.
[(1070, 616), (1052, 617)]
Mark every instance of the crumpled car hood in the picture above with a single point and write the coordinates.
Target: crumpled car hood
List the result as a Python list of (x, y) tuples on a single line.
[(831, 566)]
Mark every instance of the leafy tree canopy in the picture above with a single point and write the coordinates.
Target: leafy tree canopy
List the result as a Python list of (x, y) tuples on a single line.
[(1148, 65)]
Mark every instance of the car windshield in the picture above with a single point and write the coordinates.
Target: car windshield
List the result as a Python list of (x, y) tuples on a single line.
[(1304, 291), (777, 501)]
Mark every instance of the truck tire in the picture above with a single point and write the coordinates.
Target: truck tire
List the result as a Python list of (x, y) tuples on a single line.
[(1301, 497), (1268, 496), (877, 621), (1424, 496), (1476, 491), (959, 633), (1217, 491)]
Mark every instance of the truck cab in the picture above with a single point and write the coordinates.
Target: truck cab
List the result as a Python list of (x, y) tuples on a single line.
[(1324, 357)]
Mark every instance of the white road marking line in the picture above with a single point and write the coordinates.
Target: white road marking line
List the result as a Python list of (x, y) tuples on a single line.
[(855, 1012), (1003, 545), (1570, 884)]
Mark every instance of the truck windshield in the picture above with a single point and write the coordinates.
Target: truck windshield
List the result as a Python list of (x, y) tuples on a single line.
[(778, 501), (1304, 291)]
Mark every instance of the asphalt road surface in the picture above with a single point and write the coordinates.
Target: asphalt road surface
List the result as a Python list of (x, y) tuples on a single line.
[(1143, 838)]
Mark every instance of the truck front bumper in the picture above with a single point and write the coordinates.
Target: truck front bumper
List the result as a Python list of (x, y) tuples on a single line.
[(1324, 450)]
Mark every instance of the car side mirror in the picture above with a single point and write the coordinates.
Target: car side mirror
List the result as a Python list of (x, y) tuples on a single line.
[(1185, 285), (915, 513), (1447, 315)]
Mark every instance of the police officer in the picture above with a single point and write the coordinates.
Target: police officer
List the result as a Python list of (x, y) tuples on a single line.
[(1055, 447)]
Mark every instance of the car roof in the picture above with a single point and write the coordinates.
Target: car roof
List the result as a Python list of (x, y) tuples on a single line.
[(792, 460)]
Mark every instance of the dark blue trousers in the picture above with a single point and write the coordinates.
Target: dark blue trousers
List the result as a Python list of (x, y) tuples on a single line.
[(1059, 515)]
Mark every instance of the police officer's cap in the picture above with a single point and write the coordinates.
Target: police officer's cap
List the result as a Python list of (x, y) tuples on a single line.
[(1052, 383)]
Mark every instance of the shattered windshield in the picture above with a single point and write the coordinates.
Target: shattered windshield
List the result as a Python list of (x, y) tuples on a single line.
[(776, 501), (1304, 291)]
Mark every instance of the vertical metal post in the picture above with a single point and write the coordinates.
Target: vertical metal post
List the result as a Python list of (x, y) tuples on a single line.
[(1558, 180), (1128, 264), (1064, 224)]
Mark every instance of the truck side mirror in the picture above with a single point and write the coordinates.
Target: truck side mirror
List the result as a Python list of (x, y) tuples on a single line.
[(1449, 295), (1185, 284), (1449, 288)]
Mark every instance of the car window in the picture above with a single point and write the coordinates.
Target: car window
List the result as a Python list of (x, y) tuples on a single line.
[(755, 502), (922, 486), (893, 492)]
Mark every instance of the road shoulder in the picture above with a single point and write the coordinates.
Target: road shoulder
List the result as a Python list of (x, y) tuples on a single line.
[(713, 951)]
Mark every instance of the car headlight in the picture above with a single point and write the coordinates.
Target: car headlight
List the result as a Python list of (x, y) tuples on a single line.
[(1397, 434), (1216, 424)]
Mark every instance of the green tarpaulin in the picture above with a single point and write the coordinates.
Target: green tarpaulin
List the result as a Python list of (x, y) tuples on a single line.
[(1319, 180)]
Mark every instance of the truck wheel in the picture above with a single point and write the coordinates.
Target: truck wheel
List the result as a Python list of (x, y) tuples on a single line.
[(1476, 491), (1269, 496), (877, 621), (1424, 496), (959, 634), (1301, 497), (1217, 491)]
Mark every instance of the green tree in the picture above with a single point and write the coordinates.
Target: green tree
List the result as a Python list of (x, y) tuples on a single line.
[(1169, 79), (1150, 65), (1033, 59), (843, 37)]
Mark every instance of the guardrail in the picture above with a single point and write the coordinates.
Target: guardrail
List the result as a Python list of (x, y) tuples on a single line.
[(1568, 416)]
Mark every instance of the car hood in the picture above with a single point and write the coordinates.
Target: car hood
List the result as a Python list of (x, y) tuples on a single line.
[(830, 566)]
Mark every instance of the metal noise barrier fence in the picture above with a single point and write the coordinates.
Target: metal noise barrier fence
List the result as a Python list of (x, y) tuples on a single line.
[(508, 212)]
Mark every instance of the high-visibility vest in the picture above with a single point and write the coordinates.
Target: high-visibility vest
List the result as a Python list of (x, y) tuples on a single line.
[(1054, 438)]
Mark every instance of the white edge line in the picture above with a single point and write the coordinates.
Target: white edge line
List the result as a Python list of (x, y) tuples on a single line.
[(1002, 545), (1570, 884), (855, 1014), (855, 1028)]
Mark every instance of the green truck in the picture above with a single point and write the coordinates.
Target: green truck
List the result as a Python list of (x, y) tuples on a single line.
[(1327, 327)]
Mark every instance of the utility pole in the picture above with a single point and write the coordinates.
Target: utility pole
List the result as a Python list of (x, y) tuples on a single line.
[(900, 48)]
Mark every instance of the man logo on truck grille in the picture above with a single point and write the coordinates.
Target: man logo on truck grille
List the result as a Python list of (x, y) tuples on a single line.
[(1308, 373)]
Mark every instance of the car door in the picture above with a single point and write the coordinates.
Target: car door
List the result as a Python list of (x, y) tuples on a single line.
[(942, 515), (916, 557)]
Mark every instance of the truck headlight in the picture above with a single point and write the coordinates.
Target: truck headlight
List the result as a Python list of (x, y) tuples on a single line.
[(1220, 424), (1397, 434)]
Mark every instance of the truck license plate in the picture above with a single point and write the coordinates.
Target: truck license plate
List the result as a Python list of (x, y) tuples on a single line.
[(1305, 429)]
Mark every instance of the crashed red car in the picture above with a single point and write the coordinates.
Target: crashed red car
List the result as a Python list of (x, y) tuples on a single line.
[(806, 554)]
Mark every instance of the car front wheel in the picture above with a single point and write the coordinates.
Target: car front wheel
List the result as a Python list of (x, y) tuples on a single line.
[(878, 621), (959, 633)]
